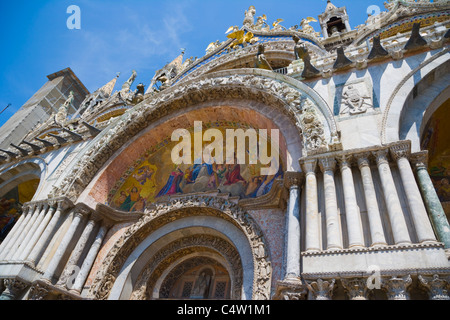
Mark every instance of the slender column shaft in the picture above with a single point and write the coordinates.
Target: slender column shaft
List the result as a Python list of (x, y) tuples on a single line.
[(23, 233), (394, 208), (90, 258), (312, 231), (31, 232), (334, 238), (37, 233), (354, 227), (6, 244), (419, 214), (77, 251), (49, 230), (373, 212), (432, 202), (56, 259), (292, 181)]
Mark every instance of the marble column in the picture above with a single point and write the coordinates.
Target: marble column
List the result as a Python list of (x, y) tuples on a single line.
[(320, 289), (77, 252), (90, 258), (352, 215), (292, 181), (312, 230), (37, 233), (31, 232), (417, 209), (394, 208), (397, 287), (356, 288), (373, 212), (334, 237), (61, 207), (28, 223), (14, 233), (64, 244), (431, 199), (438, 287)]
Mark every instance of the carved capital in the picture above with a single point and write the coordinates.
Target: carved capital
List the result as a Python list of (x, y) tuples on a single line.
[(345, 161), (292, 179), (399, 151), (322, 290), (437, 286), (327, 164), (356, 288), (419, 160), (308, 165), (290, 289), (363, 159), (397, 287), (381, 156), (38, 291), (14, 288)]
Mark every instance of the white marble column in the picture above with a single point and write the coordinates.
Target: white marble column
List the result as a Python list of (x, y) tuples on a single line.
[(37, 233), (23, 232), (422, 223), (373, 212), (90, 258), (334, 236), (62, 206), (354, 225), (31, 232), (312, 230), (77, 252), (14, 233), (64, 244), (292, 181), (394, 208)]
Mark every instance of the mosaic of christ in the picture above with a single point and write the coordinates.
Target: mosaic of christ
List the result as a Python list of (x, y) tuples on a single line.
[(155, 176)]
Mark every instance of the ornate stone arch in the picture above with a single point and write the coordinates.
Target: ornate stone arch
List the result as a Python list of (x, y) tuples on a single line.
[(398, 102), (161, 214), (302, 105), (180, 248)]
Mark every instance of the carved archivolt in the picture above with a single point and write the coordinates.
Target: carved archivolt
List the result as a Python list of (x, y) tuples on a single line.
[(218, 86), (182, 247), (161, 214)]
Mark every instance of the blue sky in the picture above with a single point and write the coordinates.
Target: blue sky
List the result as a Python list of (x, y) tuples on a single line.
[(119, 36)]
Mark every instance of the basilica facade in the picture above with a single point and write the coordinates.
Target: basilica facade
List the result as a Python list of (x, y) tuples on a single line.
[(355, 206)]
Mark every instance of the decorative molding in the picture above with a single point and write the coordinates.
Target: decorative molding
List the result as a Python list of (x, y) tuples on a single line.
[(160, 214)]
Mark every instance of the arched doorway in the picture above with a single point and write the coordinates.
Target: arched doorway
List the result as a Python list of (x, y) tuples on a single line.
[(436, 139)]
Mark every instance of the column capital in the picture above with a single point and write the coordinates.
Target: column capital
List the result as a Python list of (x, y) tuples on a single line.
[(419, 159), (345, 160), (308, 165), (401, 150), (293, 179), (436, 285), (356, 288), (327, 164), (381, 156), (82, 211), (397, 287), (321, 289), (363, 159), (290, 289)]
